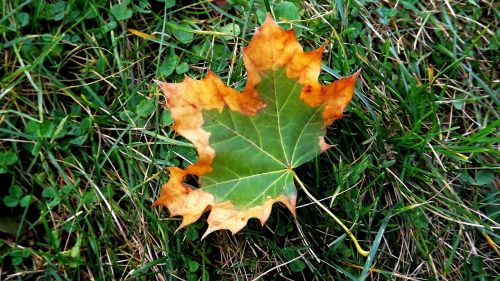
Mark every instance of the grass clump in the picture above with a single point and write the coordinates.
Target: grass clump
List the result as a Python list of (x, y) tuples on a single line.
[(84, 141)]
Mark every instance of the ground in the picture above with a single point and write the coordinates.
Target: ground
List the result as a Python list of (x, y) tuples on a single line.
[(85, 141)]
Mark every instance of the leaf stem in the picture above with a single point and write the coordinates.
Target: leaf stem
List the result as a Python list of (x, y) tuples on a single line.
[(358, 247)]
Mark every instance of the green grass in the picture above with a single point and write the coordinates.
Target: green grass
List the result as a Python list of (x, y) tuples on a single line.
[(85, 140)]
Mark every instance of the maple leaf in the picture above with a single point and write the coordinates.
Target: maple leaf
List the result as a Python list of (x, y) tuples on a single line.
[(248, 143)]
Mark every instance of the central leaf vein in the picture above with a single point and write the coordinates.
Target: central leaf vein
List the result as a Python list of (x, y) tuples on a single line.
[(278, 116)]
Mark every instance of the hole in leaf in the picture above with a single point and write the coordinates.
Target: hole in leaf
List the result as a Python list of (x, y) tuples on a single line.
[(193, 181)]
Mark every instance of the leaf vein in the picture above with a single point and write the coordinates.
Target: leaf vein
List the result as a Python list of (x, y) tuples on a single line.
[(302, 131), (248, 140)]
